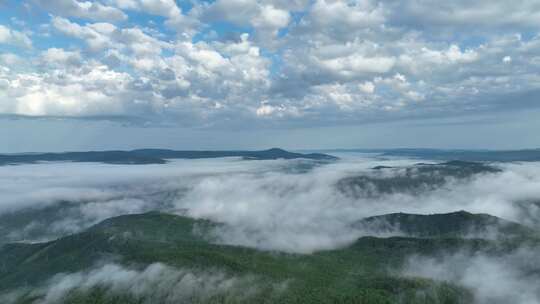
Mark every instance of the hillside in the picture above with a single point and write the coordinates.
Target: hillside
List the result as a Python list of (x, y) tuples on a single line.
[(152, 156), (411, 179), (459, 224), (355, 274)]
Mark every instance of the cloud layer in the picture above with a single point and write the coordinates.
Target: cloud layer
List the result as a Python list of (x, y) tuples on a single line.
[(276, 205), (229, 62), (511, 278)]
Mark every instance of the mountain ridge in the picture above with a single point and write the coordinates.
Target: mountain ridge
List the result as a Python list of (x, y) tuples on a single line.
[(453, 224), (357, 271), (155, 156)]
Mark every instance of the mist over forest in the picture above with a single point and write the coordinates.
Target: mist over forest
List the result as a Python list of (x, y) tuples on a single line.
[(457, 223)]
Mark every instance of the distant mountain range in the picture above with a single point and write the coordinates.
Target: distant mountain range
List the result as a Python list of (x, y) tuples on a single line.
[(464, 155), (473, 155), (153, 156), (160, 156)]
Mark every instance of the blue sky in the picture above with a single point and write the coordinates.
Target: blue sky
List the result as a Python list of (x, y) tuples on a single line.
[(251, 74)]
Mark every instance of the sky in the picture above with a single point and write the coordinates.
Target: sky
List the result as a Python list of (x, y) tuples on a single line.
[(251, 74)]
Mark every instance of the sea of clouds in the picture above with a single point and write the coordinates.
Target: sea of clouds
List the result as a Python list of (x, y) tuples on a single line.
[(286, 205), (264, 204)]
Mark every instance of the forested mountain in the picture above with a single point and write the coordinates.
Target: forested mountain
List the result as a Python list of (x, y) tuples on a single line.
[(366, 271), (152, 156)]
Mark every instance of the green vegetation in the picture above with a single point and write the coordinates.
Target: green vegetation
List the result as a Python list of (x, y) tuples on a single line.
[(364, 272), (413, 179), (455, 224)]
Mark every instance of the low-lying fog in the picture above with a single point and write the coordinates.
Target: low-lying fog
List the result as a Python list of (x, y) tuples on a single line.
[(165, 284), (290, 205), (511, 278)]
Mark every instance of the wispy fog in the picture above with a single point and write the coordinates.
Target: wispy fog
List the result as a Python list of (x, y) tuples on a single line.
[(512, 278), (289, 205), (157, 283)]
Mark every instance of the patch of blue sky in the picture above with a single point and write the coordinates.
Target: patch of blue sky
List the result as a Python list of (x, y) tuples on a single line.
[(529, 35), (187, 5), (469, 42), (276, 60), (167, 52), (17, 17), (296, 17), (9, 9), (143, 19), (17, 50), (224, 31), (43, 41)]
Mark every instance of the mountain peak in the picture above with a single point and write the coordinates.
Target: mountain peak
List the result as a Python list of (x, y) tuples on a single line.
[(277, 150)]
